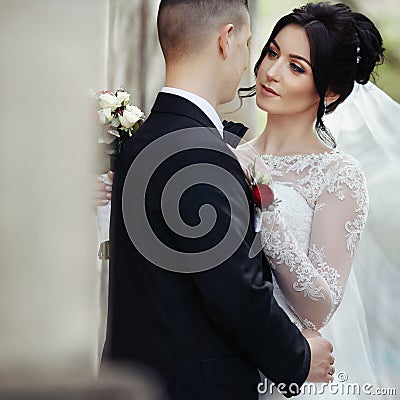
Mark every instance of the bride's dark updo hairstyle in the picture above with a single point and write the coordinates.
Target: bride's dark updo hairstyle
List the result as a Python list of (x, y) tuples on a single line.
[(345, 48)]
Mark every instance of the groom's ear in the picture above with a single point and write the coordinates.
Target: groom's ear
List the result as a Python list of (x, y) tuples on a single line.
[(225, 39)]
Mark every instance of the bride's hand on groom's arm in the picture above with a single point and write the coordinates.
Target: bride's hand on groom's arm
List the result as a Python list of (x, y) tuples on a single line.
[(101, 190), (309, 334), (321, 364)]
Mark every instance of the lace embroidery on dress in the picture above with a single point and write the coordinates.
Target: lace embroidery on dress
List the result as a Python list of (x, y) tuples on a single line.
[(284, 251), (351, 176), (331, 275), (315, 230)]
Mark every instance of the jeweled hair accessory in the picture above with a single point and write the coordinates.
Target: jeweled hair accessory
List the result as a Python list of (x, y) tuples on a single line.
[(358, 49)]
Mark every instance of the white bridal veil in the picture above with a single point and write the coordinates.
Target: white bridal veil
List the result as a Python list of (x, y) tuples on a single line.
[(367, 125)]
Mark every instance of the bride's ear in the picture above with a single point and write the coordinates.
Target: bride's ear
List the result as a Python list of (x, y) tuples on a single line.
[(330, 97), (225, 39)]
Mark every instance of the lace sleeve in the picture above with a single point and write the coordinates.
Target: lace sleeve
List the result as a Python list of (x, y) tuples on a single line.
[(313, 283)]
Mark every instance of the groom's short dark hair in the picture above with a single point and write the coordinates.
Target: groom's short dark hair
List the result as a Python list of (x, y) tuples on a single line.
[(184, 25)]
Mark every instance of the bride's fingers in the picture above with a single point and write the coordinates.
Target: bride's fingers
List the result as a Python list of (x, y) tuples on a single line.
[(330, 347), (102, 194), (111, 175), (331, 360), (101, 191), (331, 372), (99, 202)]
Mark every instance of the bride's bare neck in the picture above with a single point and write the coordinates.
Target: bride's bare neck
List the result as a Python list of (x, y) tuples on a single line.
[(286, 135)]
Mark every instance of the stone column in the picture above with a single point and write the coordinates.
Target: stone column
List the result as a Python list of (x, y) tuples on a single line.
[(53, 53)]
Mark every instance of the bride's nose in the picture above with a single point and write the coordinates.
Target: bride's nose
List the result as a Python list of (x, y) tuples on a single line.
[(273, 71)]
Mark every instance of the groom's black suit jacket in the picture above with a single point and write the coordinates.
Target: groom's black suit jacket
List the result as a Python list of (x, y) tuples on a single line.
[(206, 333)]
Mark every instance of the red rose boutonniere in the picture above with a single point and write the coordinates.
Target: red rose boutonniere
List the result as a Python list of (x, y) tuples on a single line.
[(262, 193), (263, 196)]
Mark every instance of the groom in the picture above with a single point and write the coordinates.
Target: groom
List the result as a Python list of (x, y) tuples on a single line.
[(185, 301)]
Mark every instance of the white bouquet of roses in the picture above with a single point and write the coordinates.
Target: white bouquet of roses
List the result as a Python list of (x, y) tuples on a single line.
[(118, 122)]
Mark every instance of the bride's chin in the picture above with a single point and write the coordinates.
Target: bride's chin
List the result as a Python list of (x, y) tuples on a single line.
[(262, 106)]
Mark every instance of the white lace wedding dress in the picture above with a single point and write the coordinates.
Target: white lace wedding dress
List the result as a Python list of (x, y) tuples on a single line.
[(311, 240)]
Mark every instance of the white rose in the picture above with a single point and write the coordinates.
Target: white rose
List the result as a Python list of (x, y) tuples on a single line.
[(107, 100), (105, 115), (123, 98), (131, 115)]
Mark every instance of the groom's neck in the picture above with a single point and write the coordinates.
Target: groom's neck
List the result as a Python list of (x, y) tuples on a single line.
[(196, 79)]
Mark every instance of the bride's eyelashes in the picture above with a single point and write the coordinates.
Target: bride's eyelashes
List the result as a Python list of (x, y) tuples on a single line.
[(273, 55), (297, 68)]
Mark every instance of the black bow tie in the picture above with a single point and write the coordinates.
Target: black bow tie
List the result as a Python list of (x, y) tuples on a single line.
[(233, 132)]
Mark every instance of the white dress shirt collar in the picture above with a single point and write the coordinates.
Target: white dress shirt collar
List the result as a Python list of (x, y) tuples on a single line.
[(203, 104)]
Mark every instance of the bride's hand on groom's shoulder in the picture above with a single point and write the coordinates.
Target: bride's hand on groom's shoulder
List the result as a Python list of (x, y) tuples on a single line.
[(321, 365), (102, 190)]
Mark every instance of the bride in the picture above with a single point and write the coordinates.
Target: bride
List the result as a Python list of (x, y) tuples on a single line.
[(308, 67)]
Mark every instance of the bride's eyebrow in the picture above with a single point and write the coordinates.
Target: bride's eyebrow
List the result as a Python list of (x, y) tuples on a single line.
[(276, 44), (296, 56)]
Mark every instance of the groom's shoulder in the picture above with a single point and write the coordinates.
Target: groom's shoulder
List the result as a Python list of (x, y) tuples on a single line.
[(180, 144), (177, 132)]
